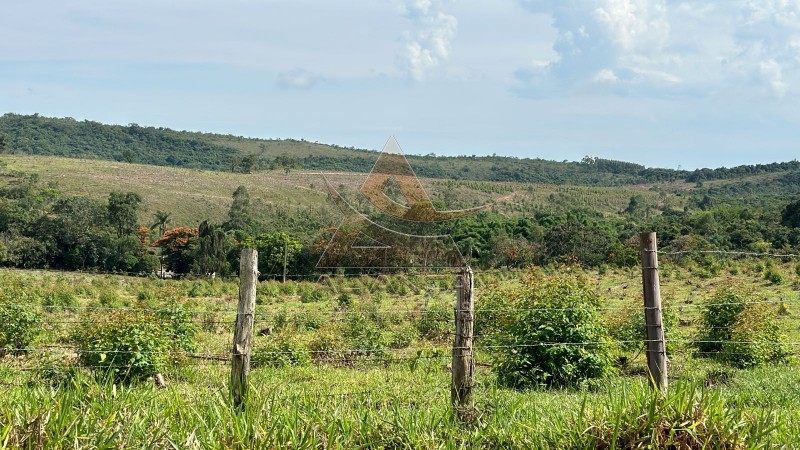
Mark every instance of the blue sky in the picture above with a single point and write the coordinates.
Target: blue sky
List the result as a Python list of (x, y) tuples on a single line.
[(664, 83)]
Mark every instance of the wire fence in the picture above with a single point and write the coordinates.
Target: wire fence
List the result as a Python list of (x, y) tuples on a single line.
[(488, 343)]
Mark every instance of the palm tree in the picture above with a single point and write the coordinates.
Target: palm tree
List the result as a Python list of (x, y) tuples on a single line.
[(161, 219)]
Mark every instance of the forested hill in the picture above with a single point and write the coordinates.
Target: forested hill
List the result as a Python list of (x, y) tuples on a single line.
[(37, 135)]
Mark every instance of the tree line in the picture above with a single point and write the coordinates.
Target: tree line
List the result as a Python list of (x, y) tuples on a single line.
[(41, 228), (38, 135)]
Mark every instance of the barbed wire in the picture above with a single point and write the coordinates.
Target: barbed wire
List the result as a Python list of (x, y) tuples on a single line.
[(728, 252)]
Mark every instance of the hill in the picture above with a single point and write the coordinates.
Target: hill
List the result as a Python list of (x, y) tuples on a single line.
[(46, 136)]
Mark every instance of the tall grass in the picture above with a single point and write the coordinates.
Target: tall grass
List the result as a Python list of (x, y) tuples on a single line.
[(387, 408)]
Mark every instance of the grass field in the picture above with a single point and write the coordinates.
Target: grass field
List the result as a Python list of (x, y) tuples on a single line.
[(195, 195), (399, 397)]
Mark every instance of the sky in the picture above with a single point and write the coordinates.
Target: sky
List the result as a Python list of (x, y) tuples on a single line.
[(664, 83)]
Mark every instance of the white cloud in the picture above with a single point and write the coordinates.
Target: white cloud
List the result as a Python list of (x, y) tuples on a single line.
[(428, 44), (768, 40), (606, 41), (606, 76), (745, 49), (297, 78)]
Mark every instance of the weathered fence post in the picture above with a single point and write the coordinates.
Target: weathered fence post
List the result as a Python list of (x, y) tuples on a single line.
[(463, 362), (243, 334), (656, 347)]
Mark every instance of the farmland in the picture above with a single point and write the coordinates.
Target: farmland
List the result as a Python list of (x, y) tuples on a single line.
[(395, 393), (362, 358)]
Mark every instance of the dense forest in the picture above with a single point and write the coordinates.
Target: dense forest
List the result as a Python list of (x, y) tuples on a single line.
[(38, 135)]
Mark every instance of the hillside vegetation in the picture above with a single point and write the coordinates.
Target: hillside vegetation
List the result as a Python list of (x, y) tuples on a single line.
[(37, 135), (196, 219)]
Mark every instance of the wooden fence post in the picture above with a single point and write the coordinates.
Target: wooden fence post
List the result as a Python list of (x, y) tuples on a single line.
[(243, 334), (463, 362), (656, 347)]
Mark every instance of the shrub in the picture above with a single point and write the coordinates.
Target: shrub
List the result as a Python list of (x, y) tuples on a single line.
[(773, 276), (740, 332), (146, 296), (397, 286), (328, 346), (288, 288), (344, 300), (177, 324), (110, 299), (58, 371), (268, 289), (537, 325), (198, 289), (717, 317), (401, 337), (363, 335), (434, 323), (755, 339), (280, 351), (281, 320), (59, 299), (18, 326), (313, 295), (133, 344), (627, 326), (306, 320)]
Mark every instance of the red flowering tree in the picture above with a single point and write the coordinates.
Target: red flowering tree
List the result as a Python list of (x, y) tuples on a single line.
[(176, 248)]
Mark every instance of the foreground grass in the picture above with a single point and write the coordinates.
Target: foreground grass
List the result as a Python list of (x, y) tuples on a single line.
[(400, 405), (324, 407)]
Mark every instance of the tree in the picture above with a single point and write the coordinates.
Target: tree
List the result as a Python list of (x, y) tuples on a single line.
[(2, 143), (790, 216), (160, 220), (127, 156), (177, 245), (239, 217), (211, 251), (273, 250), (122, 211), (247, 163)]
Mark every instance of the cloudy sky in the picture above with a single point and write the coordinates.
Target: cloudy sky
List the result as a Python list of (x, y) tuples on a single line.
[(665, 83)]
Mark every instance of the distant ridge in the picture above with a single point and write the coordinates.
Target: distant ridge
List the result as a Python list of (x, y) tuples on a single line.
[(39, 135)]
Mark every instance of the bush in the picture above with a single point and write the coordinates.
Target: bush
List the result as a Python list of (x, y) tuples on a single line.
[(740, 332), (288, 288), (773, 276), (268, 289), (717, 317), (133, 344), (328, 346), (397, 286), (434, 323), (313, 295), (755, 339), (280, 351), (198, 289), (18, 326), (344, 300), (557, 311), (363, 335), (59, 299), (306, 320), (110, 299), (627, 326), (401, 338)]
